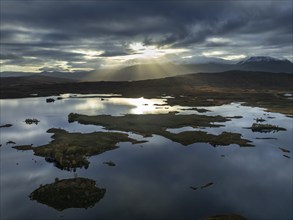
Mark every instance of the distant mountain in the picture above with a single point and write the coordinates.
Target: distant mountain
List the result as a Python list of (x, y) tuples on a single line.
[(128, 73), (263, 59), (16, 74), (143, 71), (177, 85), (161, 70), (33, 80), (77, 76), (265, 63)]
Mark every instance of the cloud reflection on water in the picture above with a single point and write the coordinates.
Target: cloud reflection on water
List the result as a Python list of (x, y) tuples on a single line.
[(150, 180)]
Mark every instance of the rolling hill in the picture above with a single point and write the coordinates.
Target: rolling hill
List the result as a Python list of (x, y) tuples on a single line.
[(162, 70)]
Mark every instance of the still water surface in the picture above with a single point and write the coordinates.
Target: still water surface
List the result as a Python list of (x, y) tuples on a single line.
[(150, 180)]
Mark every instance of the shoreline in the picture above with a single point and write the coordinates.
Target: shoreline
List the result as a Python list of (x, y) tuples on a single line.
[(267, 90)]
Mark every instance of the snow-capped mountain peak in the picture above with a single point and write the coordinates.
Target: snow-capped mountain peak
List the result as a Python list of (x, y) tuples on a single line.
[(258, 59)]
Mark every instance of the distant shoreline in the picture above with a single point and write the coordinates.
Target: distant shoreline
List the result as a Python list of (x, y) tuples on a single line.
[(255, 88)]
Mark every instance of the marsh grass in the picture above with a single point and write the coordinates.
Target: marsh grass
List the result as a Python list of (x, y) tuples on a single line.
[(149, 124), (265, 128), (70, 150)]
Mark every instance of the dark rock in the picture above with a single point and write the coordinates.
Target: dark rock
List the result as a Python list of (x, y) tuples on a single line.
[(50, 100), (5, 126), (31, 121)]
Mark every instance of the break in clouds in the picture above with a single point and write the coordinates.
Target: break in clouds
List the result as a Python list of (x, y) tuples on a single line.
[(61, 35)]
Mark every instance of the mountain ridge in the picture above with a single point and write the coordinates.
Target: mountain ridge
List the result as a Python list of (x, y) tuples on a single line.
[(257, 59), (160, 70)]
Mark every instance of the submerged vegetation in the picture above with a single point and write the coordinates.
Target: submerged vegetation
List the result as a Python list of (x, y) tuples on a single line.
[(110, 163), (150, 124), (69, 193), (201, 187), (200, 110), (284, 150), (70, 150), (259, 120)]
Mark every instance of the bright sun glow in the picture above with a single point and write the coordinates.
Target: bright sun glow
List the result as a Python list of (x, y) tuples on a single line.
[(223, 55), (90, 104), (136, 105), (139, 106), (142, 51), (137, 46), (144, 106), (148, 52)]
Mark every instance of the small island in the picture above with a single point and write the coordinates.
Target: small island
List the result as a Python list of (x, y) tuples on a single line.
[(69, 151), (149, 124), (265, 128), (69, 193)]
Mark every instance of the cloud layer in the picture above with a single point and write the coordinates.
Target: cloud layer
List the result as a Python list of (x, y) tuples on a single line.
[(72, 35)]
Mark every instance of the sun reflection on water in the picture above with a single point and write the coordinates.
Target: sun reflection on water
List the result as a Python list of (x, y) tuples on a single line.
[(134, 105), (90, 104), (139, 105)]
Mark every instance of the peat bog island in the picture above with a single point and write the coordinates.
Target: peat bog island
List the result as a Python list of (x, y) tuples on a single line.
[(146, 110)]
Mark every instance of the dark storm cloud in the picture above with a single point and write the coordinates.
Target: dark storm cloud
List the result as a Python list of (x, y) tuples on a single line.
[(40, 52), (8, 56), (29, 28), (216, 44)]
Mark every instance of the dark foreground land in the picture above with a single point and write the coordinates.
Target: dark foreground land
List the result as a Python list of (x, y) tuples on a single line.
[(259, 89)]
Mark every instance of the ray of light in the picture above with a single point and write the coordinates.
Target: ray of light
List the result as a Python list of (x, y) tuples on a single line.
[(145, 62)]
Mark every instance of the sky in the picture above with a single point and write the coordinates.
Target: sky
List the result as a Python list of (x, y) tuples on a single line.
[(81, 35)]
